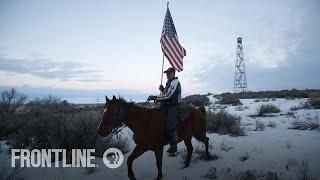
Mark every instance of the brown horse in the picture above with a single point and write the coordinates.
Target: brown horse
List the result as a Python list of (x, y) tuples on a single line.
[(148, 126)]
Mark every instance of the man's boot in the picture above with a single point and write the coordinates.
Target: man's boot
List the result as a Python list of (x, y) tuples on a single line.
[(173, 148)]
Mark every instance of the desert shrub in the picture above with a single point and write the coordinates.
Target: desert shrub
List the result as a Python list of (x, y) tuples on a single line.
[(50, 104), (244, 157), (224, 123), (202, 155), (306, 105), (57, 130), (50, 123), (229, 173), (309, 124), (289, 98), (197, 100), (291, 163), (302, 105), (295, 108), (11, 101), (272, 124), (260, 126), (300, 125), (212, 173), (293, 93), (229, 99), (304, 172), (267, 108), (314, 94), (315, 102), (290, 114), (314, 123)]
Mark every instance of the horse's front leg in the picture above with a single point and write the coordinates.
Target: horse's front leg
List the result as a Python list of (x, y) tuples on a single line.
[(138, 151), (159, 153)]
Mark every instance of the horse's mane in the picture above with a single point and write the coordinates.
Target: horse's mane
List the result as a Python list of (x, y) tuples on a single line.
[(138, 106)]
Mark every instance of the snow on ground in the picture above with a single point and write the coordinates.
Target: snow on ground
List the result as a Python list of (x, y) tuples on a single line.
[(268, 150)]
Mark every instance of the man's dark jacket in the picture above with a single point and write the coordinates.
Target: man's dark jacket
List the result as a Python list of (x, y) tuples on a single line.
[(172, 93)]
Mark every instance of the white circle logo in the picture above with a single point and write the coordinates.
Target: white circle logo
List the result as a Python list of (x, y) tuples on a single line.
[(112, 158)]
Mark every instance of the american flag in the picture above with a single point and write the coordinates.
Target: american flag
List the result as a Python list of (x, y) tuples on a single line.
[(170, 45)]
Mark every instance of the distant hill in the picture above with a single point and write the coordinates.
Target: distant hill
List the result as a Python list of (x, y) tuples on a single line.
[(293, 93)]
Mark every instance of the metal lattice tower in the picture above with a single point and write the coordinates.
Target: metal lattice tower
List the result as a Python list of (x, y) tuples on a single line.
[(240, 79)]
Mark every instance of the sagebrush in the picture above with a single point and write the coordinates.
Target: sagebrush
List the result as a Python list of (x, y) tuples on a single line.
[(224, 123)]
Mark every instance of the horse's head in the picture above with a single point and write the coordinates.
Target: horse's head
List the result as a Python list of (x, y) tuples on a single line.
[(112, 117)]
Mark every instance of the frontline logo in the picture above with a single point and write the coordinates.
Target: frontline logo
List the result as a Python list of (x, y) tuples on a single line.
[(112, 158)]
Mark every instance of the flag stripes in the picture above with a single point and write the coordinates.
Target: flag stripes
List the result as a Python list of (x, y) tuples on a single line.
[(170, 45)]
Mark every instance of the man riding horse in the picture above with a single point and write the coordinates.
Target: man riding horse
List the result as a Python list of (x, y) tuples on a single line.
[(169, 99)]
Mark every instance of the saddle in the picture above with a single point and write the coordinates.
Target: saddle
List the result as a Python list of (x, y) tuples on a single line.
[(185, 111)]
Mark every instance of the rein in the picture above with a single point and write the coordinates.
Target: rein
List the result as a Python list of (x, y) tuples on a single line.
[(120, 110)]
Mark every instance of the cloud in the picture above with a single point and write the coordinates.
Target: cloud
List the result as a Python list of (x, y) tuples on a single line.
[(51, 69)]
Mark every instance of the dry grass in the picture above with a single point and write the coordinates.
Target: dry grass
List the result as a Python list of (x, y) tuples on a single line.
[(272, 124), (49, 123), (267, 109), (244, 157), (225, 146), (304, 172), (314, 100), (90, 170), (260, 126), (230, 174), (202, 155), (308, 124), (302, 105), (224, 123)]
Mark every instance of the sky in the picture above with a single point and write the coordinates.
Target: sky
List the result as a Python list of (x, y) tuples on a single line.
[(91, 48)]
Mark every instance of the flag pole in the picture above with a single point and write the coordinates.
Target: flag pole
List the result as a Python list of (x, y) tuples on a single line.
[(162, 68), (163, 57)]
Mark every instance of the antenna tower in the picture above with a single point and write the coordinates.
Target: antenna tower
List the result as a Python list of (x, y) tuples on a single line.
[(240, 79)]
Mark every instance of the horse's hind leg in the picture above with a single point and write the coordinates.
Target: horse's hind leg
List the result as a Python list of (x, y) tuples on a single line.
[(138, 151), (188, 144), (203, 138)]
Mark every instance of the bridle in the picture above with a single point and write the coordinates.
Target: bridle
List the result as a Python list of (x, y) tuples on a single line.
[(120, 110)]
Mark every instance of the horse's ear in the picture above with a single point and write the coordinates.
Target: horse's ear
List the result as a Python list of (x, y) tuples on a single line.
[(114, 98), (107, 99)]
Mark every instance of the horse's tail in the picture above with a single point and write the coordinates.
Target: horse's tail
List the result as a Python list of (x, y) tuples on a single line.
[(203, 110)]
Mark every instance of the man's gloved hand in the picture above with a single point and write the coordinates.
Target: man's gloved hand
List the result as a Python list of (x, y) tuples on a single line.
[(152, 98), (161, 88)]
